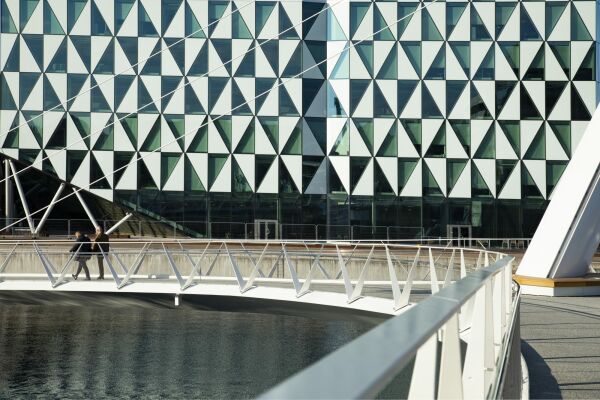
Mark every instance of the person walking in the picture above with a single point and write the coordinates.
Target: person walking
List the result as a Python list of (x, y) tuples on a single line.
[(100, 246), (82, 248)]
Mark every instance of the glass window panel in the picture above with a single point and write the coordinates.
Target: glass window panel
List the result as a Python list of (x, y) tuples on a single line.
[(59, 61), (428, 29), (562, 130), (554, 10), (192, 26), (528, 29), (462, 128), (512, 54), (357, 13), (239, 28), (74, 9), (587, 69), (478, 29), (462, 52), (145, 25), (554, 170), (503, 13), (486, 68), (7, 24), (405, 12), (512, 131), (342, 143), (263, 10), (27, 8), (99, 26), (487, 147), (51, 24), (413, 129), (122, 9), (537, 148), (406, 168)]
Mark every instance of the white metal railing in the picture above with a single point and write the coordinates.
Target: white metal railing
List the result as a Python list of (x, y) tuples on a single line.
[(474, 303), (189, 262), (479, 310), (202, 229)]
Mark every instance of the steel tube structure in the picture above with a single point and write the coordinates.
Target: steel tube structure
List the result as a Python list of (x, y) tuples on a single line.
[(49, 209), (86, 208), (22, 196)]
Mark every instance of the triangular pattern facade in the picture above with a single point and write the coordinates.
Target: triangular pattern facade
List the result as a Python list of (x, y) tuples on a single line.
[(448, 102)]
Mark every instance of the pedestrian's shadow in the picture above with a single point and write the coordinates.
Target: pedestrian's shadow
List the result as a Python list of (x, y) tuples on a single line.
[(542, 384)]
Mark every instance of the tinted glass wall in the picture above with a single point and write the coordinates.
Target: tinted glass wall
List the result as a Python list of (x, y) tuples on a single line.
[(359, 113)]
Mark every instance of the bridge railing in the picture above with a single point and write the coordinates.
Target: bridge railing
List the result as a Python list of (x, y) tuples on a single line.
[(427, 343), (250, 264)]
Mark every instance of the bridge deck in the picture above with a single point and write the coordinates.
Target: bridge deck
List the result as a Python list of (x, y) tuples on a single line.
[(561, 344)]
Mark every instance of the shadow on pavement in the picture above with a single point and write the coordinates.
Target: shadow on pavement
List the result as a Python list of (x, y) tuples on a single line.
[(542, 384)]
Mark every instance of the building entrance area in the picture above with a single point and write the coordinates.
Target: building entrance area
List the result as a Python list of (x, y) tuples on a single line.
[(460, 234), (266, 229)]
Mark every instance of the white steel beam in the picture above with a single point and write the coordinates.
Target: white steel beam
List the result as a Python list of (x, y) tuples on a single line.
[(115, 226), (22, 196), (569, 232), (49, 209), (86, 209)]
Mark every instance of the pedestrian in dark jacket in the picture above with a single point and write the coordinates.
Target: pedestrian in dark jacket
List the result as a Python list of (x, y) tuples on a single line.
[(82, 248), (100, 246)]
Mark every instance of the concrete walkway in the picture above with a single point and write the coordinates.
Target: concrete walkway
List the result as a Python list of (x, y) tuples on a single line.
[(561, 344)]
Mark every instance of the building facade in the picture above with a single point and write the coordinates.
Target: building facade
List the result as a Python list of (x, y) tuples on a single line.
[(409, 118)]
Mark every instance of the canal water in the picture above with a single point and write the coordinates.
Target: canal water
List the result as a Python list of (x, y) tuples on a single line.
[(67, 351)]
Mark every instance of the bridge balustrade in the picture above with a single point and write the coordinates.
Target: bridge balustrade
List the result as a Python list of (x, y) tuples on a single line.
[(470, 301)]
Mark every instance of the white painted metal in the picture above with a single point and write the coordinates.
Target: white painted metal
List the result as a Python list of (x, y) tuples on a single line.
[(422, 384), (435, 287), (134, 267), (450, 381), (7, 259), (86, 208), (450, 270), (569, 232), (114, 274), (22, 196), (491, 313), (49, 209), (9, 202), (196, 267), (115, 226), (365, 366)]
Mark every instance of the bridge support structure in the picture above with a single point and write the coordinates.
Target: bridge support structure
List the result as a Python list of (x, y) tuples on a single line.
[(558, 258)]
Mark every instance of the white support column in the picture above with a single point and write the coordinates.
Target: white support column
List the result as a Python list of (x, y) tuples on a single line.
[(9, 201), (569, 233), (49, 209), (85, 208), (115, 226), (22, 196)]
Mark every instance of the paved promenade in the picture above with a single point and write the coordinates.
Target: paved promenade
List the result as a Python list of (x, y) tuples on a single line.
[(561, 344)]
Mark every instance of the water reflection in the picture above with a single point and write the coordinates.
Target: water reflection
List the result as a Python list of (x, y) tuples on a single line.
[(82, 352)]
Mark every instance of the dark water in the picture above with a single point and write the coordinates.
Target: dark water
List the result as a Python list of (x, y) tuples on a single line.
[(76, 352)]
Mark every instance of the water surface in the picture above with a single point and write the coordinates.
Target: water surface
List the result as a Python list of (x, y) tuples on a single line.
[(65, 351)]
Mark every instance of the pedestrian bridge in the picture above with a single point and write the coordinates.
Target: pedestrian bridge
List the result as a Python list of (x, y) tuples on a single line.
[(461, 300)]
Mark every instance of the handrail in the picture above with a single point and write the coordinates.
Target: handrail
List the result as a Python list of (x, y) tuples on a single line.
[(479, 308), (498, 385), (363, 367)]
